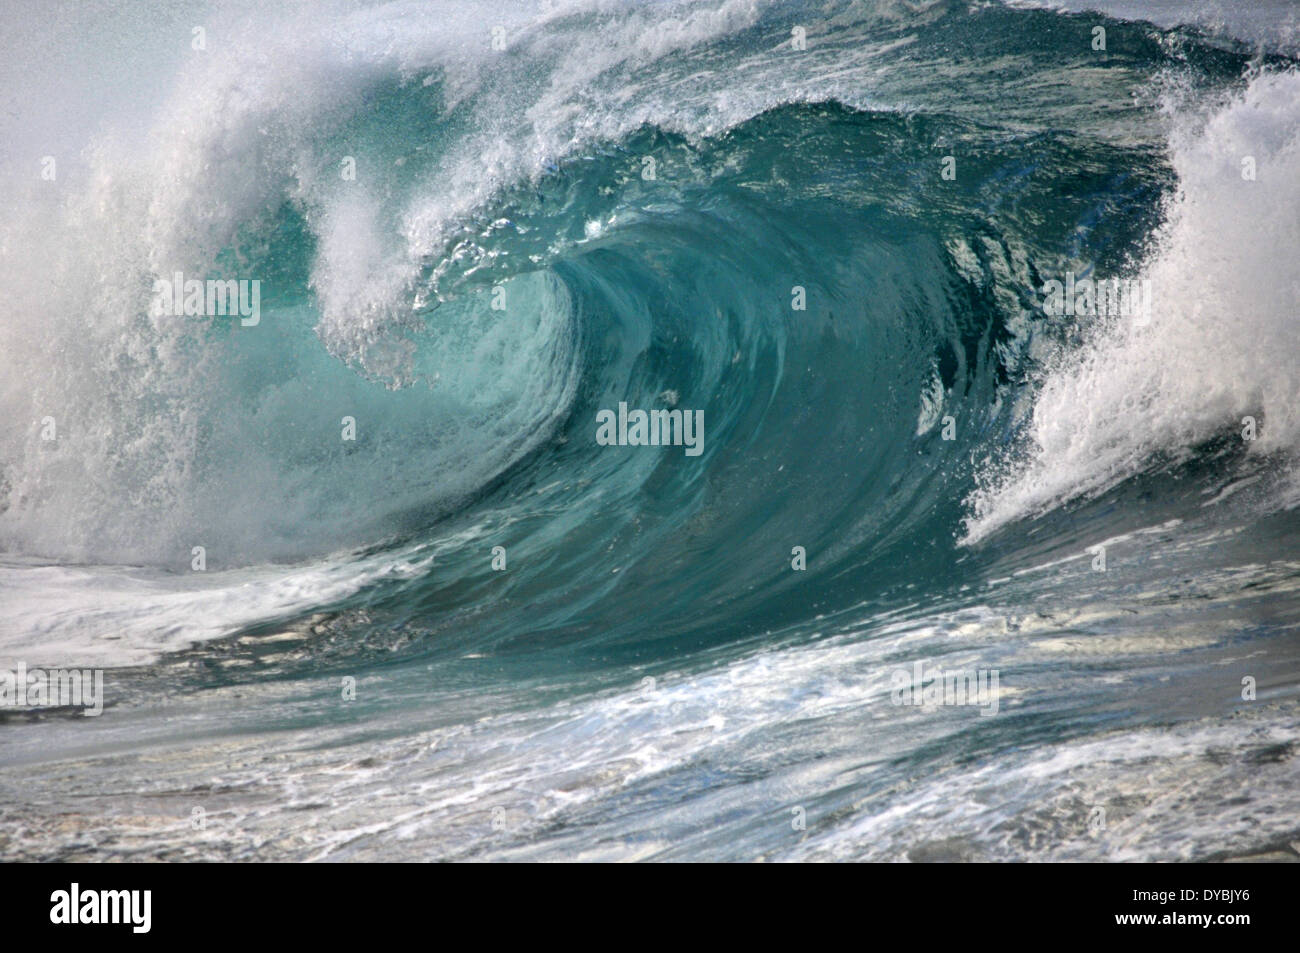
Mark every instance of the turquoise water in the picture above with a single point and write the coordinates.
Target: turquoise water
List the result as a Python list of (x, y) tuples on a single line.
[(649, 676)]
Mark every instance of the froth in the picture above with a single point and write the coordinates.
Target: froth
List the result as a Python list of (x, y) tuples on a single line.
[(1223, 335)]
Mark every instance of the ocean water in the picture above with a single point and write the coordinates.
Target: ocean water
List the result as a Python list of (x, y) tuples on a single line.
[(474, 632)]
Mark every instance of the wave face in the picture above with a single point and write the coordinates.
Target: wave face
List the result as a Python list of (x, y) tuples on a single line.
[(838, 255)]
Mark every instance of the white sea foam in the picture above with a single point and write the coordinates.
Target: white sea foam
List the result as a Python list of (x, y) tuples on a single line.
[(1224, 334)]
